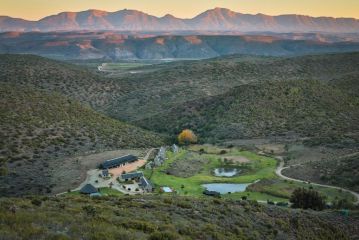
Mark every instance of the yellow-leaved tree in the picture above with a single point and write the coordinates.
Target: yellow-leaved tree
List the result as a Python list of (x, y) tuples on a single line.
[(186, 137)]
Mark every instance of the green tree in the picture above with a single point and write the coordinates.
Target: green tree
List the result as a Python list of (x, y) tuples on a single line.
[(307, 199)]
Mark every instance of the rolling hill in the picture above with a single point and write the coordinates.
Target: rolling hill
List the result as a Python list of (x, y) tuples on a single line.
[(160, 217), (239, 96), (303, 108), (218, 19), (40, 132), (117, 46)]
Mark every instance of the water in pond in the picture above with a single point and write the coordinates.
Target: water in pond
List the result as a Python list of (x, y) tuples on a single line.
[(224, 188), (226, 172)]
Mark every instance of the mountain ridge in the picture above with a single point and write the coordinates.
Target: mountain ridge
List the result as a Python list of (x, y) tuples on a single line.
[(213, 19), (113, 45)]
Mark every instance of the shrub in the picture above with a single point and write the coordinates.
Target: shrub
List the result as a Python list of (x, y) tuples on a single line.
[(36, 202), (89, 210), (307, 198), (223, 152)]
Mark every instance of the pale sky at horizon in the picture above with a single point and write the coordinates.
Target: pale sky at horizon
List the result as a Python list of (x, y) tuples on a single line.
[(36, 9)]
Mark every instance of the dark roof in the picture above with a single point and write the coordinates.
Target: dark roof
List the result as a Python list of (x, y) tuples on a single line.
[(144, 182), (132, 175), (105, 172), (118, 161), (211, 193), (88, 189)]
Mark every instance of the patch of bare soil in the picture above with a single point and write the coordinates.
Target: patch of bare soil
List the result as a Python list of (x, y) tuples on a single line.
[(236, 159), (187, 167), (127, 168), (272, 148)]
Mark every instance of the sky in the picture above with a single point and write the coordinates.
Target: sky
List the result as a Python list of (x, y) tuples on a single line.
[(36, 9)]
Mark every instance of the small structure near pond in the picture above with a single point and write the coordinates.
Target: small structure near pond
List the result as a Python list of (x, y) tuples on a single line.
[(211, 193), (166, 189)]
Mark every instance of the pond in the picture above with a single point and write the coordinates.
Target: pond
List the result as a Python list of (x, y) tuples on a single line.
[(226, 172), (224, 188)]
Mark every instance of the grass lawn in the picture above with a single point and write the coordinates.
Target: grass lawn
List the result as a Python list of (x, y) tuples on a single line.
[(123, 66), (103, 191), (110, 192), (258, 168), (283, 189)]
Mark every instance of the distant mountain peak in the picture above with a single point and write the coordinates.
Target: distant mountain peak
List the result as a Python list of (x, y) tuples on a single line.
[(217, 19), (169, 16)]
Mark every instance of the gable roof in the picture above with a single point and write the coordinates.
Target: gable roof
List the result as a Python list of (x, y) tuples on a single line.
[(132, 175), (88, 189), (118, 161), (144, 182)]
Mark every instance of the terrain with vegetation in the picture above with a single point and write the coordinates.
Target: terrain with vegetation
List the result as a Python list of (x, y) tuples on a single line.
[(59, 119), (309, 99), (40, 130), (140, 46), (186, 171), (159, 217)]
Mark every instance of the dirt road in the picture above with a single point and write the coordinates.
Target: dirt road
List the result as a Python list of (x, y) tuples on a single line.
[(281, 167)]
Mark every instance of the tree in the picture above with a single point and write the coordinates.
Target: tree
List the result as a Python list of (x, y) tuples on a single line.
[(187, 137), (307, 199)]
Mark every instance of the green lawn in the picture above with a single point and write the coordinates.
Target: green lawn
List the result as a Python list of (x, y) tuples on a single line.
[(259, 168), (123, 66), (103, 191), (283, 189)]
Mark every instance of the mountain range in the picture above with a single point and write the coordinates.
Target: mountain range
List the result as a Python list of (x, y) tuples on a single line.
[(218, 19), (117, 46)]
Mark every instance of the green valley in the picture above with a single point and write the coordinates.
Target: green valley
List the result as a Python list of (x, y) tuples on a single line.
[(185, 173)]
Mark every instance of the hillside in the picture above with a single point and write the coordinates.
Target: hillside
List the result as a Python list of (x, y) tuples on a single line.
[(161, 87), (156, 217), (300, 108), (40, 130), (173, 84), (117, 46), (239, 96), (218, 19), (55, 76)]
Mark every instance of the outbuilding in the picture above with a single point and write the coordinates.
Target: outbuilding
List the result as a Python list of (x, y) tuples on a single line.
[(132, 176), (88, 189), (117, 162), (211, 193), (145, 184)]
